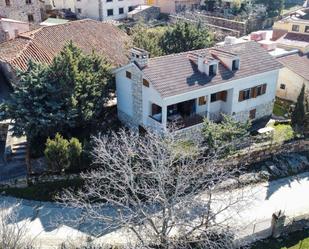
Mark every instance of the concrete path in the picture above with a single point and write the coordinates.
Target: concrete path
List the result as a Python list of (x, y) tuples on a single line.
[(48, 222)]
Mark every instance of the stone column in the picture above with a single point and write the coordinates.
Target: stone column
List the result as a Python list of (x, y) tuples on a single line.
[(208, 105), (164, 116)]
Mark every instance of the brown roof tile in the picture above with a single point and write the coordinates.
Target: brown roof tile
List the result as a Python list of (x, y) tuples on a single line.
[(297, 63), (176, 74), (293, 39), (43, 44)]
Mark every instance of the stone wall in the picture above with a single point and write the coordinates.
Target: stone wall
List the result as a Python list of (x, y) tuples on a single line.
[(264, 151), (225, 31), (262, 111), (19, 10), (3, 131), (146, 14)]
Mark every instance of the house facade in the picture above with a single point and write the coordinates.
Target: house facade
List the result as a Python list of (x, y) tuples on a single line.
[(31, 11), (105, 9), (293, 76), (182, 89), (292, 32), (9, 29), (173, 6)]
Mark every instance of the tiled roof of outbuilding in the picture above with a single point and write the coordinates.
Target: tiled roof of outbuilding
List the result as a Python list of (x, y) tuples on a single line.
[(177, 73), (43, 44), (299, 64)]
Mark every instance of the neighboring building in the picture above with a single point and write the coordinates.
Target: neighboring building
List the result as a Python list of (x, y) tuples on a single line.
[(105, 9), (63, 4), (238, 80), (23, 10), (9, 29), (43, 44), (53, 21), (173, 6), (292, 32), (293, 76)]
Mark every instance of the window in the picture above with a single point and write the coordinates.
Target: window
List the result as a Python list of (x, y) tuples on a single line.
[(110, 12), (244, 94), (156, 112), (30, 18), (28, 1), (235, 65), (121, 11), (282, 86), (218, 96), (131, 8), (252, 114), (295, 28), (145, 83), (109, 1), (128, 75), (212, 70), (79, 11), (252, 92), (7, 2), (306, 29), (202, 100)]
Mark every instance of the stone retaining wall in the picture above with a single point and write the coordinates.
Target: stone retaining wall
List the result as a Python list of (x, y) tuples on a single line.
[(264, 151)]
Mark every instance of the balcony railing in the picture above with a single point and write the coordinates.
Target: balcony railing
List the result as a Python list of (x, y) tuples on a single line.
[(188, 121)]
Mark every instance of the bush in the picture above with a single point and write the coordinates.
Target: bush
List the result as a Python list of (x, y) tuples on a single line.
[(75, 150), (56, 153), (62, 154)]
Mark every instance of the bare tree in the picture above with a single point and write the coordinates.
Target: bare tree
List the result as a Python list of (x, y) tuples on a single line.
[(13, 234), (160, 189)]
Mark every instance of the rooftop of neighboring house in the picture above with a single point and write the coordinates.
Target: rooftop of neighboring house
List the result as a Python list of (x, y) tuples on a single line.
[(53, 21), (297, 63), (301, 15), (43, 44), (179, 73), (294, 40)]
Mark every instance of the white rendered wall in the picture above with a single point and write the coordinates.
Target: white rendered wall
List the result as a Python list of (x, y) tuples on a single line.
[(90, 8), (124, 93)]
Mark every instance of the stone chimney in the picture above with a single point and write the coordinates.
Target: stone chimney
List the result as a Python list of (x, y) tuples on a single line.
[(16, 32), (6, 35), (139, 56)]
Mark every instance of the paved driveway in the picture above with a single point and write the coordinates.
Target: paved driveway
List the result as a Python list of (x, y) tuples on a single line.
[(50, 223)]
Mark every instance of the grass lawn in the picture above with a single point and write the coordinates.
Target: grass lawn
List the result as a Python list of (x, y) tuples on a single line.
[(283, 132), (279, 110), (43, 191), (296, 240)]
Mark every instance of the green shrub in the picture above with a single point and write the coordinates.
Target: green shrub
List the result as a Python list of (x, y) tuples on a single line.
[(56, 153), (75, 150)]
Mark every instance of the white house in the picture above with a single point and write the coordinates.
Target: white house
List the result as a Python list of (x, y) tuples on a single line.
[(105, 9), (238, 80)]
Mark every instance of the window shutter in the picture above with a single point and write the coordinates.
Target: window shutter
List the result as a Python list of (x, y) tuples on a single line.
[(223, 96), (264, 88), (241, 96), (253, 92), (145, 83)]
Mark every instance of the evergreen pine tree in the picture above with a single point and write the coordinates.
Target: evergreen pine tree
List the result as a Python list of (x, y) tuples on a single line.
[(298, 115)]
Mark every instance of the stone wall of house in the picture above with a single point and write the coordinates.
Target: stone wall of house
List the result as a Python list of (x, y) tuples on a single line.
[(136, 120), (147, 14), (19, 10), (225, 31), (262, 111), (3, 131)]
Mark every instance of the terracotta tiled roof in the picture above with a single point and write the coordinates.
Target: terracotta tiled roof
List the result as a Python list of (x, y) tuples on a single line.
[(297, 63), (295, 40), (43, 44), (178, 73)]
